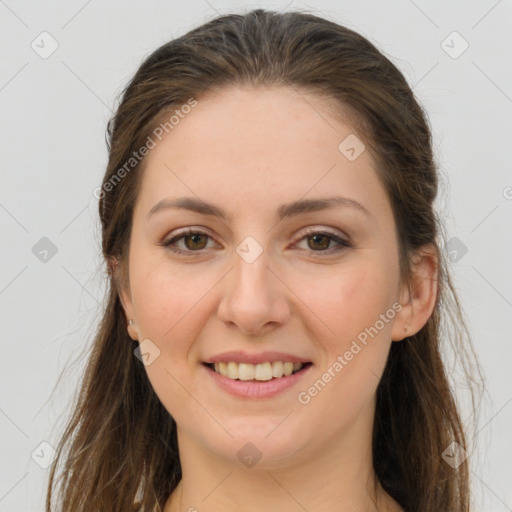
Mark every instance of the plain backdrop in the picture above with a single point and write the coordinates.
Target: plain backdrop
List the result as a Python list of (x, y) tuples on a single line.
[(64, 65)]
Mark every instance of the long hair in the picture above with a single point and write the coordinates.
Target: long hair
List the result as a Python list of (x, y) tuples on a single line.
[(120, 445)]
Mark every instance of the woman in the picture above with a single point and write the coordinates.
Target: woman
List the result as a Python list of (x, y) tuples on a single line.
[(272, 336)]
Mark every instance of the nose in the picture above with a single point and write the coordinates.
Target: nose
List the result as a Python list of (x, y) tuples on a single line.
[(254, 298)]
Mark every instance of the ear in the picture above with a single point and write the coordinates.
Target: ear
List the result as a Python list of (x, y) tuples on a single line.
[(418, 300), (124, 296)]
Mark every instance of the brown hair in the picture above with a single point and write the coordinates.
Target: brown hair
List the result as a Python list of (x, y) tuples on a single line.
[(121, 442)]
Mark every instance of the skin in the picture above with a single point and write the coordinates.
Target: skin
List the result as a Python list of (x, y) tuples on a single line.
[(248, 151)]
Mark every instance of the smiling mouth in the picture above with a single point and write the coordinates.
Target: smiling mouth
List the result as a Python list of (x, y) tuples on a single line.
[(257, 372)]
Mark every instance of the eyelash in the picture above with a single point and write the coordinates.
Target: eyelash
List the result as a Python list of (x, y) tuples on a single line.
[(342, 243)]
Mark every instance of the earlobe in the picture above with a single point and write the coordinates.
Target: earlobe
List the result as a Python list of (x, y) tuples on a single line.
[(132, 330), (126, 303), (127, 306), (124, 297), (418, 300)]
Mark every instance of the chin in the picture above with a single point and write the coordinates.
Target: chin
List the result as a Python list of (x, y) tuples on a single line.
[(261, 444)]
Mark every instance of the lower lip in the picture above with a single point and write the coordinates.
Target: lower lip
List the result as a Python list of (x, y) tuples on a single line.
[(256, 389)]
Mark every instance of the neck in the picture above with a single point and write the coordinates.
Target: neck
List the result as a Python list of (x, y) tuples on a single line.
[(339, 477)]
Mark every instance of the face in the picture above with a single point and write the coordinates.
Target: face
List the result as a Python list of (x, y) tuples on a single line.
[(263, 283)]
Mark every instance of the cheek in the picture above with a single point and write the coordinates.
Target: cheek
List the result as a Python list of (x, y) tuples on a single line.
[(349, 301), (357, 306), (166, 297), (167, 305)]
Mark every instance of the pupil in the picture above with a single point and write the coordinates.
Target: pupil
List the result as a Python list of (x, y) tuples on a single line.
[(325, 239), (194, 238), (314, 237)]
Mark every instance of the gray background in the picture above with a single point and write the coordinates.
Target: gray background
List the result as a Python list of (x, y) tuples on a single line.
[(53, 121)]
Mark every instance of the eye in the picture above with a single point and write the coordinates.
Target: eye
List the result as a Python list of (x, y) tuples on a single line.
[(194, 241), (319, 241)]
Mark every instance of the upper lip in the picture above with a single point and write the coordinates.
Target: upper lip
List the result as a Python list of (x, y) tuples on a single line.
[(255, 358)]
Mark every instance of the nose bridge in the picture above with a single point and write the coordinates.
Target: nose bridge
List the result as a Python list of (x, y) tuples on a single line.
[(252, 259), (252, 297), (251, 272)]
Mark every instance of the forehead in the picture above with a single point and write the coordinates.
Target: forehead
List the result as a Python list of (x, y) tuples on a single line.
[(259, 145)]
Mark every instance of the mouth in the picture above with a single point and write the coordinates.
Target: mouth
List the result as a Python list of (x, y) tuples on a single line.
[(267, 371)]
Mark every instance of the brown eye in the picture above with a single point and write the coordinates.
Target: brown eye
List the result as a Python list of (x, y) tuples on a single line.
[(195, 241), (319, 241), (192, 241)]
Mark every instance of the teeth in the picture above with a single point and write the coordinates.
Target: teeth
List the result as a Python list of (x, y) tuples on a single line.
[(232, 370), (277, 369), (246, 371), (262, 371), (287, 368)]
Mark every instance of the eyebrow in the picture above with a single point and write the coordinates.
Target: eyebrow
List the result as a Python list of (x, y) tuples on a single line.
[(285, 210)]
